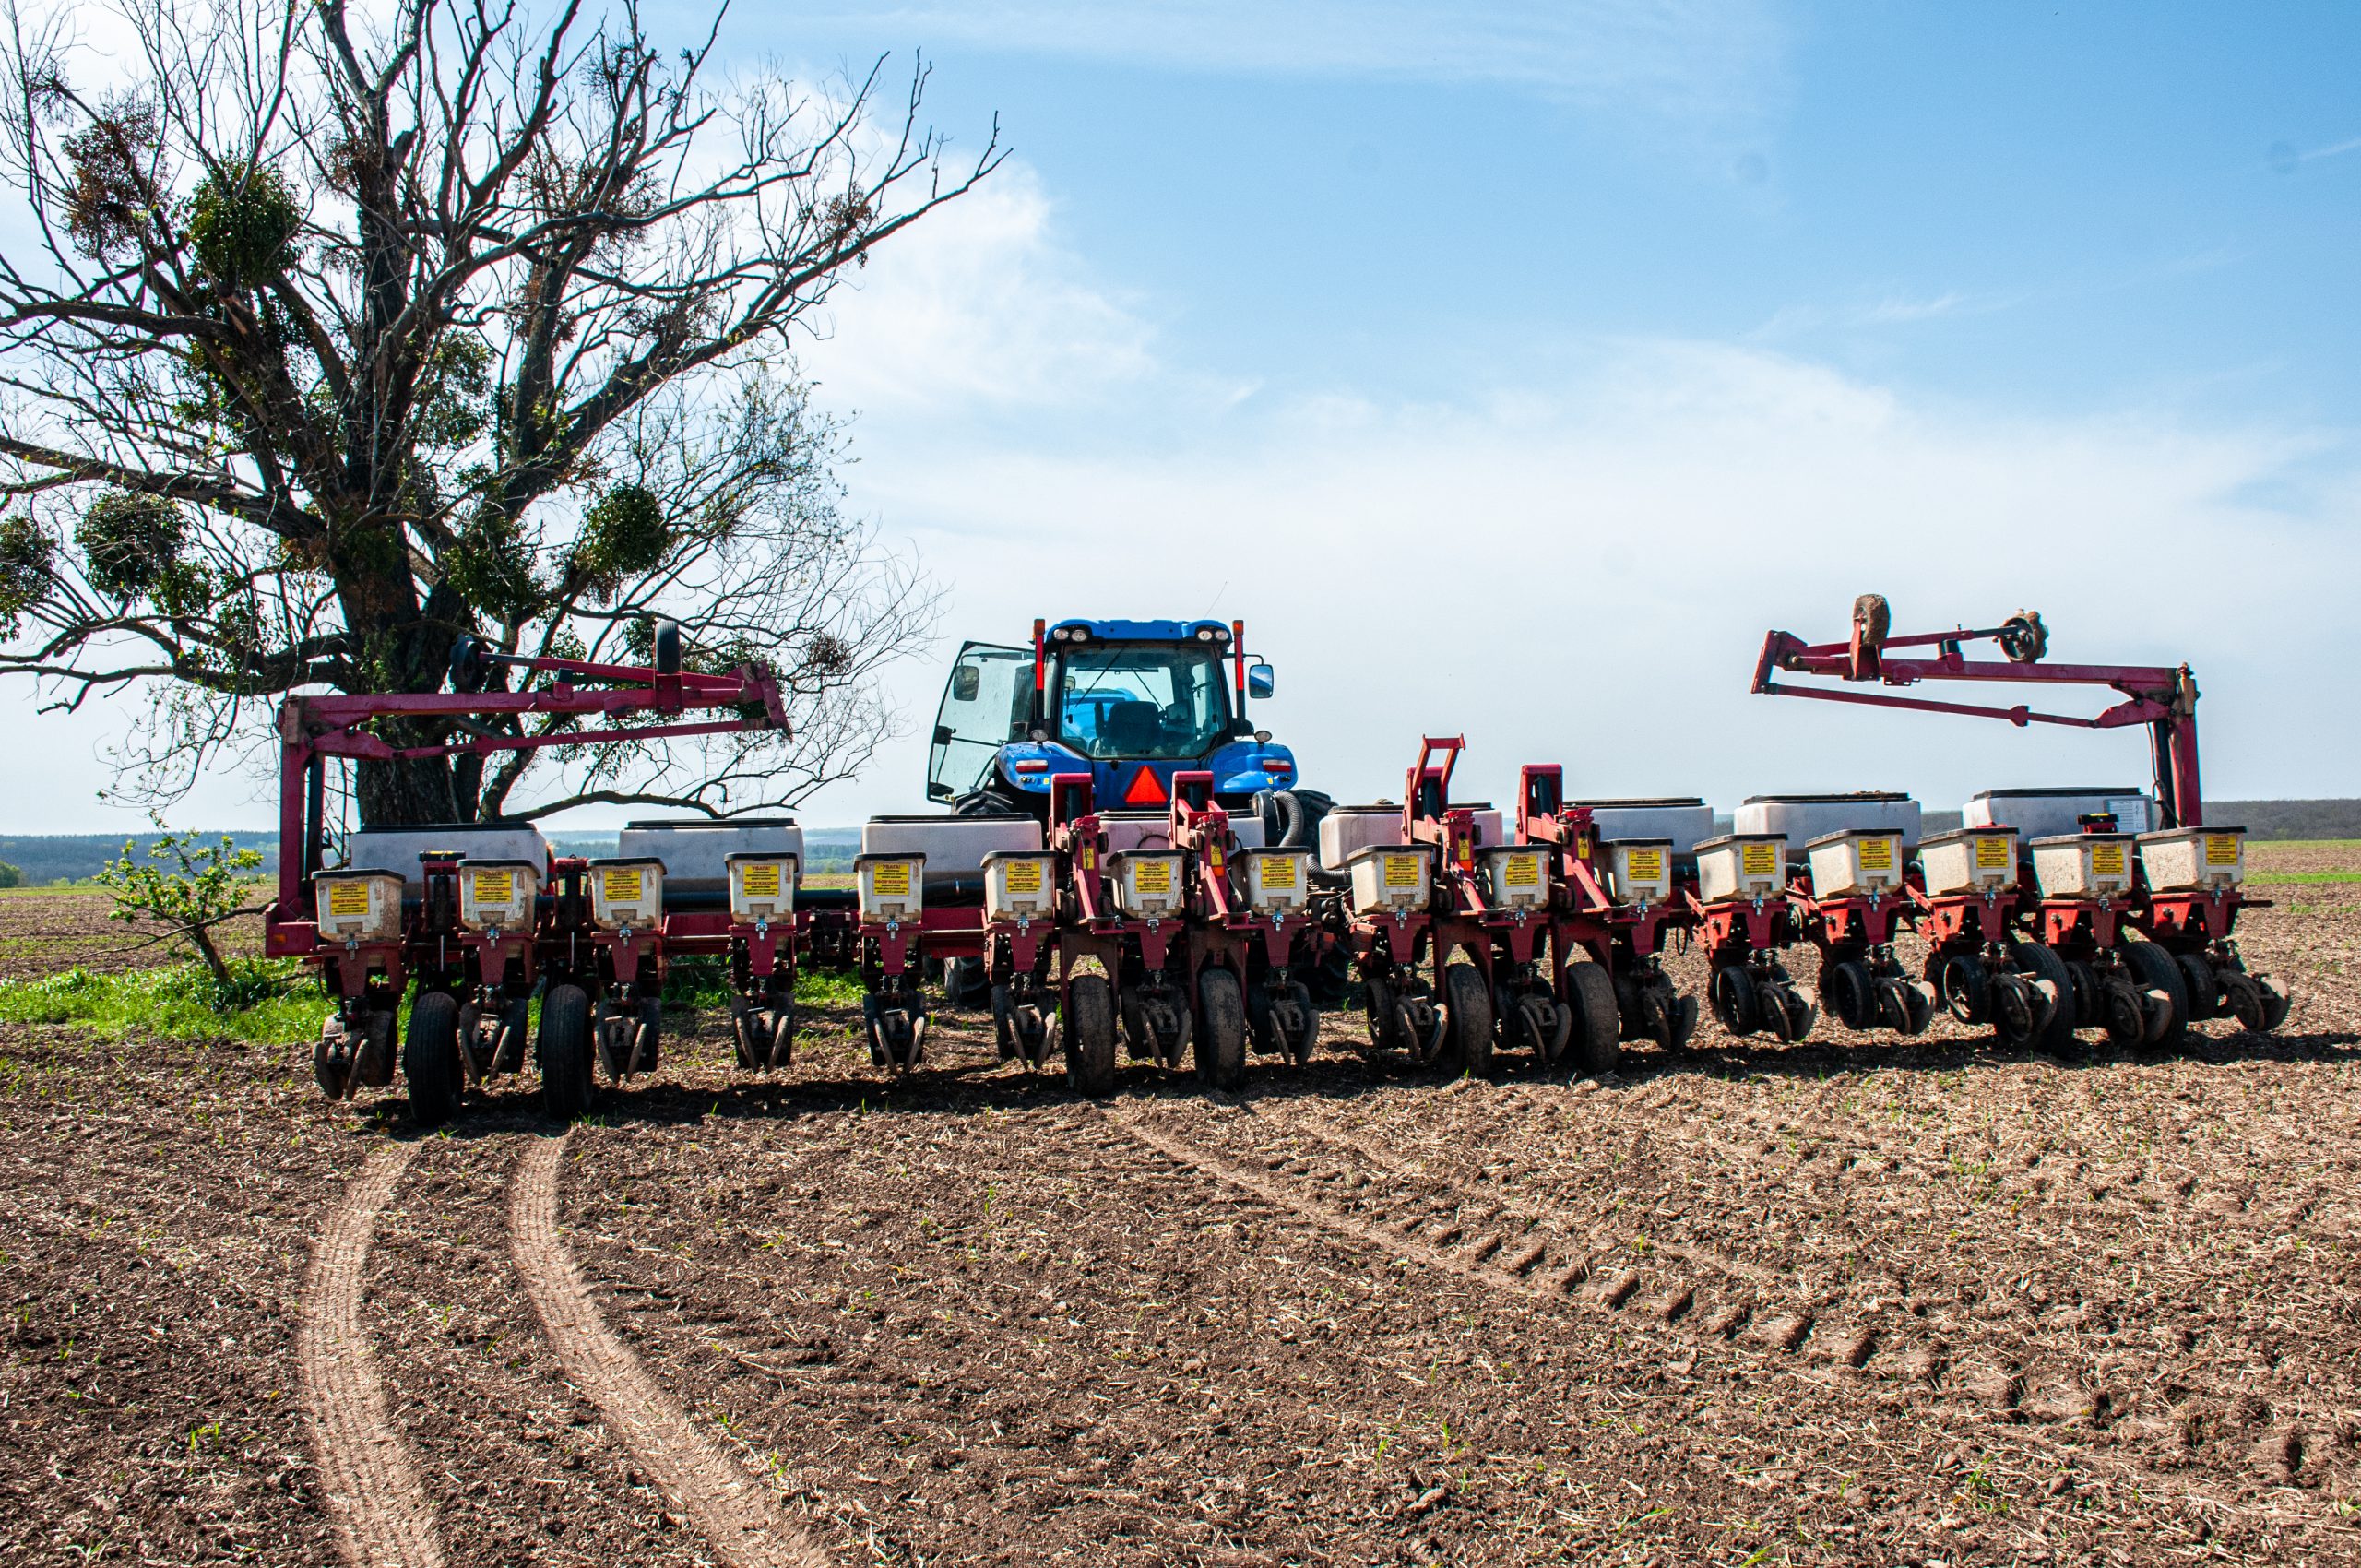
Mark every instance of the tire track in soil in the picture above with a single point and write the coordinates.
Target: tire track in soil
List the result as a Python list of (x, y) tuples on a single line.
[(1519, 1256), (367, 1474), (702, 1481), (2090, 1369)]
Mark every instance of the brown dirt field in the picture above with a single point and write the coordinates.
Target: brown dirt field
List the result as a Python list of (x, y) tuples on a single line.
[(1848, 1301), (45, 932)]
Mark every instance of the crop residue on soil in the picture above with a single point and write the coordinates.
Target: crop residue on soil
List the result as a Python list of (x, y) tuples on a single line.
[(1850, 1302)]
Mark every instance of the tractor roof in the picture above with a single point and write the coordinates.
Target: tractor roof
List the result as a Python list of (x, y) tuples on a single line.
[(1147, 631)]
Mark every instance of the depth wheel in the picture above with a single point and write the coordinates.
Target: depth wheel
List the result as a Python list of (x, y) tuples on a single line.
[(1850, 992), (566, 1083), (1090, 1035), (431, 1058), (1385, 1023), (1731, 994), (782, 1040), (1597, 1020), (2156, 970), (2205, 988), (1221, 1044), (1967, 988), (1467, 1004), (2015, 1009), (2042, 963)]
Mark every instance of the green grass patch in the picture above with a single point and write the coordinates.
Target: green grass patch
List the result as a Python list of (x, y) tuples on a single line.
[(2302, 878), (268, 1001)]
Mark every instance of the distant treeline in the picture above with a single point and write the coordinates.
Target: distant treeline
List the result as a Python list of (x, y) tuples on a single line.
[(76, 856), (46, 858)]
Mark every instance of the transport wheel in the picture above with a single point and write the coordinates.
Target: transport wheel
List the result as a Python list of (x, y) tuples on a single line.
[(566, 1084), (1385, 1023), (1597, 1020), (1090, 1035), (2014, 1008), (1850, 992), (1967, 988), (2041, 963), (2156, 970), (1468, 1003), (782, 1041), (1732, 996), (1221, 1044), (2204, 988), (431, 1058)]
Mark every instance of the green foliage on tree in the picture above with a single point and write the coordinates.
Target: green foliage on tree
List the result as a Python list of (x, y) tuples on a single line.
[(189, 887)]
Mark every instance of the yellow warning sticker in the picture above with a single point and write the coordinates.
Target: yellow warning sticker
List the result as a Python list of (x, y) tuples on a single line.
[(494, 886), (1087, 858), (621, 885), (1279, 871), (1992, 854), (2221, 848), (1402, 870), (759, 879), (890, 879), (1759, 859), (1877, 854), (1213, 858), (1021, 877), (1644, 866), (1151, 875), (348, 897), (2106, 860), (1521, 870)]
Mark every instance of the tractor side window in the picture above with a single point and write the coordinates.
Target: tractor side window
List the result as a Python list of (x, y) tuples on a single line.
[(985, 704), (1150, 700)]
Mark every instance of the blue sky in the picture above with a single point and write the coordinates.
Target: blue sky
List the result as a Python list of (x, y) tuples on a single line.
[(1512, 369)]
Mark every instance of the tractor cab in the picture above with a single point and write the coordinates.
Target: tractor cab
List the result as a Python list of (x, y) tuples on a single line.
[(1131, 702)]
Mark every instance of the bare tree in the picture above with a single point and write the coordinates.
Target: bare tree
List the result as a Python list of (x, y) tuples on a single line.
[(344, 338)]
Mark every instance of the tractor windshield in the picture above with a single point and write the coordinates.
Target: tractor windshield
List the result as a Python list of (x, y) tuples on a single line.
[(1156, 700)]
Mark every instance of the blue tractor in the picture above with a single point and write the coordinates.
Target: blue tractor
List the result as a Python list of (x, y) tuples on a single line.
[(1131, 702)]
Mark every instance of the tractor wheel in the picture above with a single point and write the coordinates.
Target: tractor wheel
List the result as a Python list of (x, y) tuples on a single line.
[(1967, 988), (1732, 996), (1849, 990), (1090, 1035), (1221, 1043), (2041, 963), (2156, 970), (2204, 987), (1597, 1020), (1467, 1002), (431, 1058), (1384, 1023), (566, 1083)]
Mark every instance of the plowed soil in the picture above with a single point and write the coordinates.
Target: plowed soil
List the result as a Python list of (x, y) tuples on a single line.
[(1846, 1301)]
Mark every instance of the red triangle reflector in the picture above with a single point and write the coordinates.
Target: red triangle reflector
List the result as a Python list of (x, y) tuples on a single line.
[(1144, 790)]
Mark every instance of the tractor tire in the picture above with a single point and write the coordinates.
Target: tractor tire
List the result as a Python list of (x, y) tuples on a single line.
[(1467, 1004), (1731, 992), (2156, 969), (431, 1058), (1849, 990), (2037, 962), (1597, 1020), (1221, 1043), (1090, 1035), (567, 1086)]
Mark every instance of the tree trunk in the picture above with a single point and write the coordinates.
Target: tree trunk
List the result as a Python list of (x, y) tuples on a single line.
[(406, 791), (202, 940)]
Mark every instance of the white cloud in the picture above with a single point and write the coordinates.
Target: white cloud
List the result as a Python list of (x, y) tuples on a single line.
[(1695, 59)]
